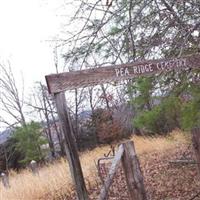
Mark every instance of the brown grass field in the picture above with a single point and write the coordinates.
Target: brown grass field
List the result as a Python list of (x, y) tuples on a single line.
[(54, 181)]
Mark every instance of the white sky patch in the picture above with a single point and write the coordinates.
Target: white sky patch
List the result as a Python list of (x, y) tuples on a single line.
[(25, 27)]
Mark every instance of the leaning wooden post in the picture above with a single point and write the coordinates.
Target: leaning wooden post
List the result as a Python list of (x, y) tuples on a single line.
[(196, 144), (70, 146), (115, 163), (133, 172)]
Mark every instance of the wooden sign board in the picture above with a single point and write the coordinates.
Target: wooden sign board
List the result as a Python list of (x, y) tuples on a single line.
[(71, 80)]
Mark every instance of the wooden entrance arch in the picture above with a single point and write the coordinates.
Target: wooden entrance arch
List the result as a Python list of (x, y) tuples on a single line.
[(58, 83)]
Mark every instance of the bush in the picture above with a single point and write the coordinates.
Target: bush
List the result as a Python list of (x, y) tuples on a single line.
[(107, 128), (161, 118)]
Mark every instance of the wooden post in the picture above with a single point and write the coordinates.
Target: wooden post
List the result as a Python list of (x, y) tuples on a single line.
[(133, 172), (115, 163), (196, 144), (70, 146), (5, 180)]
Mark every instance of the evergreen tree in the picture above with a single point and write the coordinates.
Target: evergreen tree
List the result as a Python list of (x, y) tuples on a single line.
[(28, 141)]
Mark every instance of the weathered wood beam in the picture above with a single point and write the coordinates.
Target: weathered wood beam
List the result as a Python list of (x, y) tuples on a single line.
[(115, 163), (134, 177), (196, 145), (182, 162), (71, 80), (71, 148)]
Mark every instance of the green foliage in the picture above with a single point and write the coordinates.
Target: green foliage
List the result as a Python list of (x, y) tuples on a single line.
[(191, 110), (143, 89), (166, 102), (161, 118), (129, 31), (190, 116), (114, 30), (147, 120), (28, 141)]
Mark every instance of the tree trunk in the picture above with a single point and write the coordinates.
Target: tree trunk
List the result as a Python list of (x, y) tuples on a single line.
[(196, 144), (51, 143), (105, 96), (58, 131)]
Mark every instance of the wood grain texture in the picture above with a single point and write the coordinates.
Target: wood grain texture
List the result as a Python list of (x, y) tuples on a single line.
[(133, 174), (71, 148), (196, 145), (89, 77)]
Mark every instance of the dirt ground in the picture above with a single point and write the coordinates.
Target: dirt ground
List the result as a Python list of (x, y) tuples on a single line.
[(163, 180)]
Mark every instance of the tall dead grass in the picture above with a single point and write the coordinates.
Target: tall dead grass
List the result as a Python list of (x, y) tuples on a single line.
[(55, 180)]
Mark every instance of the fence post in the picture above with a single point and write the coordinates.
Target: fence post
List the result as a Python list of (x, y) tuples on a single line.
[(196, 144), (133, 174), (70, 146), (115, 163), (5, 180)]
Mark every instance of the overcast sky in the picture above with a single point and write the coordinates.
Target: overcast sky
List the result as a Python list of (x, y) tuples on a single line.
[(25, 28)]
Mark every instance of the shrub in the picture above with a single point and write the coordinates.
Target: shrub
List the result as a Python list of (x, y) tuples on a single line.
[(107, 128), (161, 118)]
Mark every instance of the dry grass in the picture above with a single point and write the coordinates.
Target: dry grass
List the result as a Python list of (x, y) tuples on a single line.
[(54, 180)]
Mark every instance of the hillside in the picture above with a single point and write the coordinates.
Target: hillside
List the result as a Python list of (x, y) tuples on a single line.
[(162, 179)]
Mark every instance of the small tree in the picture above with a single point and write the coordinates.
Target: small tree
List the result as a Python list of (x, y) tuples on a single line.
[(28, 141), (143, 89), (107, 128)]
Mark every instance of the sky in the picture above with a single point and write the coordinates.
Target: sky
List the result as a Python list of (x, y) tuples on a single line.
[(26, 30)]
